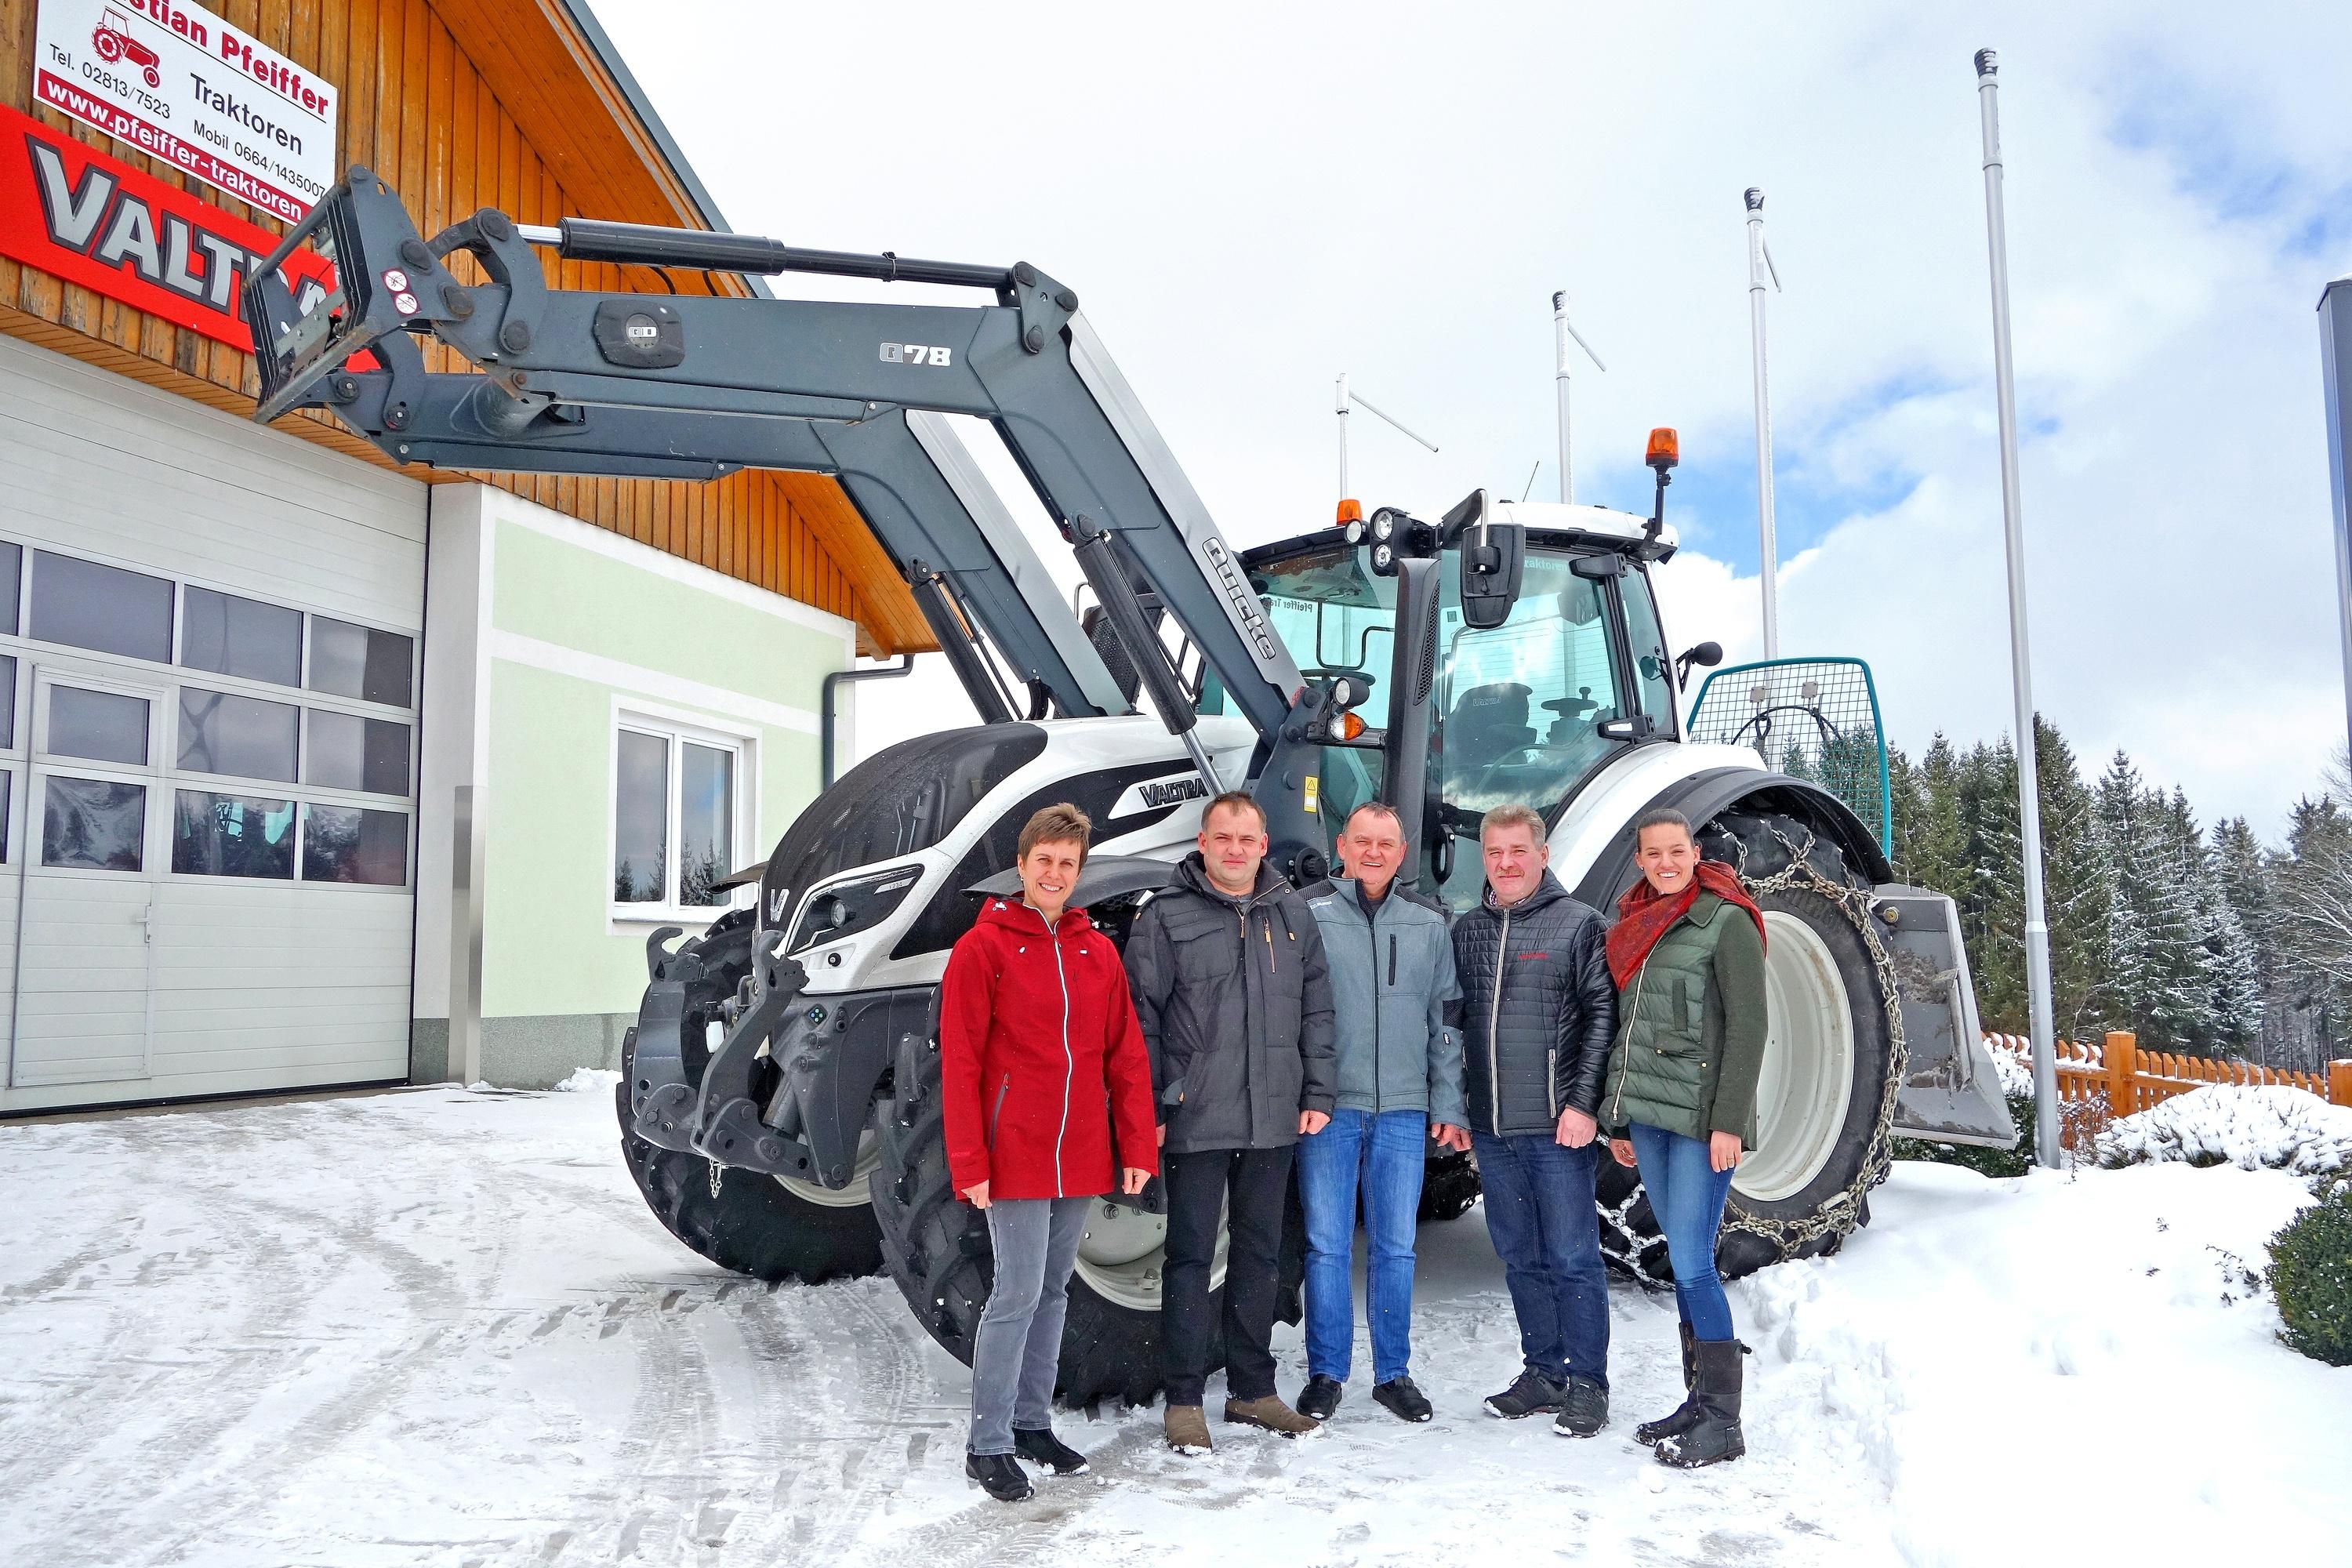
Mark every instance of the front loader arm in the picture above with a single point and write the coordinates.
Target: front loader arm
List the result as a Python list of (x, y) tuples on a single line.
[(678, 386)]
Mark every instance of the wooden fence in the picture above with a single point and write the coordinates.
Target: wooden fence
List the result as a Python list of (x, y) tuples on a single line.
[(2120, 1079)]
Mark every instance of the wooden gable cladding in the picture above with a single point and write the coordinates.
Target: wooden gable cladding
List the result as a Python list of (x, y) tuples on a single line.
[(461, 105)]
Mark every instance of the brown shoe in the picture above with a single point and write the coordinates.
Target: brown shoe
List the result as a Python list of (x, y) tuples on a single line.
[(1271, 1414), (1187, 1427)]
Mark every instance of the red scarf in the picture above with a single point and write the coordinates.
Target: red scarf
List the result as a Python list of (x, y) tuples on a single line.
[(1643, 914)]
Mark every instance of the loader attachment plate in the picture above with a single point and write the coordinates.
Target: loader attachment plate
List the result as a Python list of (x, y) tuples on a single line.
[(303, 334)]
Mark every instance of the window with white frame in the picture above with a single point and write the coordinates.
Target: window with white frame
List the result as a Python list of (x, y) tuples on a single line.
[(677, 815)]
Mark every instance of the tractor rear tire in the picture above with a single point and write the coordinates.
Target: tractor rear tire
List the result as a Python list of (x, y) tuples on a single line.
[(1820, 1143), (753, 1224), (936, 1248)]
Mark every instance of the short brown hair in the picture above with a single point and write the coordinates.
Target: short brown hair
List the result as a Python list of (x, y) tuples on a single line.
[(1662, 816), (1513, 815), (1057, 824), (1380, 806), (1235, 800)]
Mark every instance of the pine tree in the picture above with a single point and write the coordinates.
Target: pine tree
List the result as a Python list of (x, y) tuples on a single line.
[(2156, 946), (2078, 890), (2222, 959), (1992, 912), (2242, 869)]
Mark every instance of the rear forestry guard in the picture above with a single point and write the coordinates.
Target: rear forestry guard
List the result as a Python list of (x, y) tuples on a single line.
[(1950, 1093)]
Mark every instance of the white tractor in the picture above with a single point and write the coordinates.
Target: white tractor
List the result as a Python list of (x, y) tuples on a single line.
[(781, 1103)]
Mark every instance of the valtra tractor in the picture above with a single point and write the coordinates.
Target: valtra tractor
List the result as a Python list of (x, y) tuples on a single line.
[(781, 1103)]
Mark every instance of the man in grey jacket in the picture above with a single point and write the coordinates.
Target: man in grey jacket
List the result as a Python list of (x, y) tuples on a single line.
[(1400, 1075), (1537, 1012), (1228, 977)]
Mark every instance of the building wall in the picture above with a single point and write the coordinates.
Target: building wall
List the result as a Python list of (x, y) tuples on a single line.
[(461, 106), (572, 629)]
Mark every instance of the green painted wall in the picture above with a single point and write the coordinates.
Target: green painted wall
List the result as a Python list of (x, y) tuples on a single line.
[(550, 945)]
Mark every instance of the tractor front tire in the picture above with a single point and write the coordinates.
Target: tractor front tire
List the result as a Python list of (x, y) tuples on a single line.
[(936, 1247), (752, 1223), (1821, 1136)]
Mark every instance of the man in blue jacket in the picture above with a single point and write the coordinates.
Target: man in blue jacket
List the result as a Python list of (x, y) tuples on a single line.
[(1400, 1085)]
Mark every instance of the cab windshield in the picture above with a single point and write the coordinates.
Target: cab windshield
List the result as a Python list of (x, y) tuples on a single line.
[(1516, 708)]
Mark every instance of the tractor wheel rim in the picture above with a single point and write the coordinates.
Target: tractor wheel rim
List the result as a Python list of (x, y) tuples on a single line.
[(1806, 1086), (1123, 1251), (854, 1194)]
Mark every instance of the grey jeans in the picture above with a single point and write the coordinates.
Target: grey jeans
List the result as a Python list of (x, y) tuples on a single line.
[(1019, 1346)]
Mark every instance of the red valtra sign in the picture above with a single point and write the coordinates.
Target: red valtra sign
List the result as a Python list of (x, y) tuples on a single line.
[(72, 211)]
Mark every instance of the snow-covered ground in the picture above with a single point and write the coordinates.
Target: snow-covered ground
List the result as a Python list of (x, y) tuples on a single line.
[(440, 1328)]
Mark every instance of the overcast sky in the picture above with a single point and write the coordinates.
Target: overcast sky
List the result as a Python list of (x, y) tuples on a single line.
[(1251, 199)]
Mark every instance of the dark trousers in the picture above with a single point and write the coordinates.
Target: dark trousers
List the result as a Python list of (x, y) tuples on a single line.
[(1248, 1188), (1541, 1216)]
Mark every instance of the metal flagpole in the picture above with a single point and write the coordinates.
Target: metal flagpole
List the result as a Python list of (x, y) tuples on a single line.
[(1343, 401), (1759, 267), (1562, 331), (2028, 792), (2335, 367)]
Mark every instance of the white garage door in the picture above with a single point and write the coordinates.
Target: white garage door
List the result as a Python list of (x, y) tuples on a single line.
[(208, 684)]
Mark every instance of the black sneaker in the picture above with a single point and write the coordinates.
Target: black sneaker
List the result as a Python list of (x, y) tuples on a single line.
[(1584, 1410), (999, 1474), (1531, 1394), (1040, 1447), (1400, 1399), (1319, 1398)]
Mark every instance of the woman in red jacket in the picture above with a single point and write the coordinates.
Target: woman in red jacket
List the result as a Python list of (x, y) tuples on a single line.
[(1041, 1059)]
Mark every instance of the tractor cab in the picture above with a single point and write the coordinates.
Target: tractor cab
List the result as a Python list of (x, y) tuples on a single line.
[(1524, 706)]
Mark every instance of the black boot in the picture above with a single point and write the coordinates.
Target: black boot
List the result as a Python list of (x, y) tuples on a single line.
[(1319, 1398), (1583, 1409), (999, 1474), (1685, 1414), (1716, 1436), (1040, 1447)]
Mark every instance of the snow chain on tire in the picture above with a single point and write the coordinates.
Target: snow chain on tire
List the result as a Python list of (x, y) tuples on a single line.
[(1836, 1217)]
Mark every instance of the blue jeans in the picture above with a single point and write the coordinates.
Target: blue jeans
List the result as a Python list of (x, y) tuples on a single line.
[(1686, 1194), (1383, 1156), (1543, 1219)]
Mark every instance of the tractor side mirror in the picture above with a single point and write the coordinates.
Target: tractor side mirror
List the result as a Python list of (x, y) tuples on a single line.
[(1709, 654), (1494, 561)]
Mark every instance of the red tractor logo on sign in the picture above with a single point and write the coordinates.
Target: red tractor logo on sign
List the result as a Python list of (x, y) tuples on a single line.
[(112, 40)]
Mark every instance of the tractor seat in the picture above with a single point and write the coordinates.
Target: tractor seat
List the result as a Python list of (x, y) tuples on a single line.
[(1488, 723)]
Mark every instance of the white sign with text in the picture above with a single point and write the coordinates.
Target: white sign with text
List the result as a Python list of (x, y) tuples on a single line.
[(185, 88)]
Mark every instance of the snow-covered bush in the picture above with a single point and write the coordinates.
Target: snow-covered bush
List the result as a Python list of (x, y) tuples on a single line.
[(2311, 1276), (2246, 1126)]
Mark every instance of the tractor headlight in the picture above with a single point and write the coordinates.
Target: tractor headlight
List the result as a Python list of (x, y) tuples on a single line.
[(1384, 558), (846, 908)]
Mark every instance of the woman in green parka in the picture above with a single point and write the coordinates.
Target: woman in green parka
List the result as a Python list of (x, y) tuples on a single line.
[(1688, 954)]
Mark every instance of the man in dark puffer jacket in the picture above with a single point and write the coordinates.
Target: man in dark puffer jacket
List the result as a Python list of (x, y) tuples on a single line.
[(1538, 1011)]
